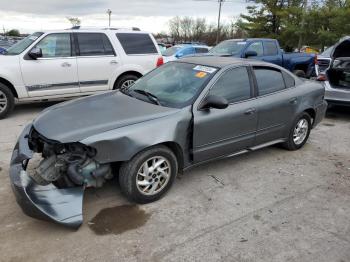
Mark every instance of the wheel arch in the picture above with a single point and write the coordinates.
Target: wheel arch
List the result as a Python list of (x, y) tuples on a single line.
[(10, 86), (130, 72), (178, 151), (312, 114)]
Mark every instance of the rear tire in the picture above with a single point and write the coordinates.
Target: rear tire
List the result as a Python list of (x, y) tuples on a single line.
[(144, 173), (299, 73), (7, 101), (124, 82), (299, 133)]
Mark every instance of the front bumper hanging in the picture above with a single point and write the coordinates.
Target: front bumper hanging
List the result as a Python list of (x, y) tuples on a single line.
[(63, 206)]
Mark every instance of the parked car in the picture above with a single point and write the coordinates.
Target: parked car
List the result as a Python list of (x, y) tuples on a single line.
[(63, 64), (268, 50), (180, 115), (333, 68), (2, 50), (177, 51)]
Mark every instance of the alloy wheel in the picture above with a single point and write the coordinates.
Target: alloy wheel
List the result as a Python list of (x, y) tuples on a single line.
[(3, 101), (153, 175), (300, 131)]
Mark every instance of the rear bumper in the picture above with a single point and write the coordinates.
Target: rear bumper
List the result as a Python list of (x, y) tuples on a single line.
[(63, 206), (339, 96)]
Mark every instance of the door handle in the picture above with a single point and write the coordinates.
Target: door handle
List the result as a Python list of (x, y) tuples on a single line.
[(113, 62), (250, 111), (293, 101), (66, 64)]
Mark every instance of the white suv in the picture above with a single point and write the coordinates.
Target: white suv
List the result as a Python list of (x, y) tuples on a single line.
[(57, 65)]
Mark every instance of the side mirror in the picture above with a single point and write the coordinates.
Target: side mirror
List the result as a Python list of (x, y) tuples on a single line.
[(35, 53), (213, 101), (250, 53)]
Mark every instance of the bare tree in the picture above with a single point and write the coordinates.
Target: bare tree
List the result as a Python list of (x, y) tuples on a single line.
[(174, 28), (75, 21)]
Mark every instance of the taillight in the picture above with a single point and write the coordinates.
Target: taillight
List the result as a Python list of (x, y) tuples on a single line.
[(160, 61), (322, 77), (315, 60)]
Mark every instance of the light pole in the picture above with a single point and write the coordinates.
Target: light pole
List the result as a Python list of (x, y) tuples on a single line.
[(109, 12), (219, 17)]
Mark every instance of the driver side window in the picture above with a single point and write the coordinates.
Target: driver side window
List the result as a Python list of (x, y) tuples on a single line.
[(55, 45), (234, 85), (257, 47)]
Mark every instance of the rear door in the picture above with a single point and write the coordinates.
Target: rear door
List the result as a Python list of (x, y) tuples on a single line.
[(276, 103), (219, 132), (97, 61), (271, 52), (55, 73)]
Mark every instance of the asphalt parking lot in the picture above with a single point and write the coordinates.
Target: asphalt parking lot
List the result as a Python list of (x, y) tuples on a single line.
[(269, 205)]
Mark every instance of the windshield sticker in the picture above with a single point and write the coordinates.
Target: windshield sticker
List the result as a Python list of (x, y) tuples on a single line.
[(205, 69), (201, 74), (241, 43)]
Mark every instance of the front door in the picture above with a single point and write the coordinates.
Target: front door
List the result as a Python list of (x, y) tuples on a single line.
[(55, 73), (97, 61), (219, 132)]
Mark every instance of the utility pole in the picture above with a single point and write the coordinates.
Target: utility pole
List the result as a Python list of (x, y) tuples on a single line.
[(109, 12), (302, 24), (219, 17)]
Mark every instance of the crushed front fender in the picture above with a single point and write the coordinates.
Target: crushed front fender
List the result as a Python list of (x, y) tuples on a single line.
[(63, 206)]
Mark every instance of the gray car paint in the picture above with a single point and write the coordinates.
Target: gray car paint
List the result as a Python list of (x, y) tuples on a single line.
[(119, 126)]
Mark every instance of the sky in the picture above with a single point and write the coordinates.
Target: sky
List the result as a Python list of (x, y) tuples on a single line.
[(151, 15)]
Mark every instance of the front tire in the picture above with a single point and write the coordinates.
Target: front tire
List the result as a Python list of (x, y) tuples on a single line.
[(299, 132), (148, 175), (7, 101)]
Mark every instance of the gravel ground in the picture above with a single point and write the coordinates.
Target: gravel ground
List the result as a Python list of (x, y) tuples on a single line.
[(268, 205)]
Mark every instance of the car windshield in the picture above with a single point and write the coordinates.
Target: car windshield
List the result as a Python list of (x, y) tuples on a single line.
[(228, 47), (328, 51), (22, 45), (171, 51), (174, 84)]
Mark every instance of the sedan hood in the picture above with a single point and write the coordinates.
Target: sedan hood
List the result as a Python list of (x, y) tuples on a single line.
[(78, 119)]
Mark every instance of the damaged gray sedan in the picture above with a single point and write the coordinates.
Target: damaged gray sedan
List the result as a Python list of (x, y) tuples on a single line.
[(179, 115)]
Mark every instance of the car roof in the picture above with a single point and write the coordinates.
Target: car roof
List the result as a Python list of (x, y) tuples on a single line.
[(220, 62), (96, 30), (252, 39)]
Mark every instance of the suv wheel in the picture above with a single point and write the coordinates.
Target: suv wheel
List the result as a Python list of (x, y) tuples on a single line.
[(124, 82), (299, 133), (7, 101), (148, 175)]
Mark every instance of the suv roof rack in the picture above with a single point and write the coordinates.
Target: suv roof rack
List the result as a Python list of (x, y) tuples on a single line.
[(104, 28)]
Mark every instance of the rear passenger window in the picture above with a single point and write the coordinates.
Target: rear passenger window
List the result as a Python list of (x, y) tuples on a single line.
[(136, 44), (270, 48), (269, 80), (94, 44), (234, 85), (288, 79), (200, 50)]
